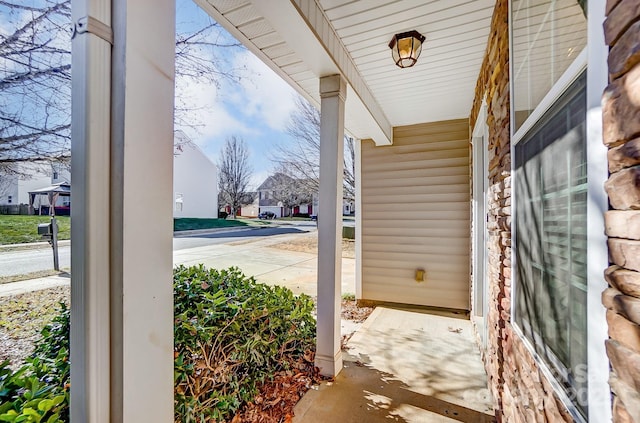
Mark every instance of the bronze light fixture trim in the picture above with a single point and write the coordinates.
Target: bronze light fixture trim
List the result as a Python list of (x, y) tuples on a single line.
[(406, 48)]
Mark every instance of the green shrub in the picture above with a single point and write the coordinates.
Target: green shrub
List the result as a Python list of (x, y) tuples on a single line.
[(38, 391), (232, 333)]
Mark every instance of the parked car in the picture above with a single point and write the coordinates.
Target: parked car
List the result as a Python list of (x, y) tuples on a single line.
[(267, 215)]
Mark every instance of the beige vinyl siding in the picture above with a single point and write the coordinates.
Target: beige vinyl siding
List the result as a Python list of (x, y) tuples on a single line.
[(415, 214)]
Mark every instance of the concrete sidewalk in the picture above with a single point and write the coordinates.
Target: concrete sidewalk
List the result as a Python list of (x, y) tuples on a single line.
[(29, 285), (259, 258)]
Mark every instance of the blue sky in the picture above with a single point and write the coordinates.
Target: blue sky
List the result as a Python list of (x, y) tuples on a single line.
[(256, 109)]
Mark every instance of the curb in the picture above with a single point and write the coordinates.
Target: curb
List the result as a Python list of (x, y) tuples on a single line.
[(32, 245), (178, 234)]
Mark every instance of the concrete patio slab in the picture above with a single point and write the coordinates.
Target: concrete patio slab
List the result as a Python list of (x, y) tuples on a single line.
[(405, 366)]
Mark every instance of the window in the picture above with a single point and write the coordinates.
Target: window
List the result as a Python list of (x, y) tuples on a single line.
[(550, 177), (547, 36)]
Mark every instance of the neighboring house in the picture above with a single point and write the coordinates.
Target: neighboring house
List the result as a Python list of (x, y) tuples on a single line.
[(248, 205), (15, 188), (252, 209), (495, 164), (306, 208), (278, 190), (195, 181)]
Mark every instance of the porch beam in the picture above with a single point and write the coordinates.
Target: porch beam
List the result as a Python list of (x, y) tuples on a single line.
[(309, 33), (333, 90)]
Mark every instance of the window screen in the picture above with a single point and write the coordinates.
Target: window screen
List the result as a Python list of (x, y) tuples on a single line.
[(551, 240)]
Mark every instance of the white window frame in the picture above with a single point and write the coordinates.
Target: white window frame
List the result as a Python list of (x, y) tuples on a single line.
[(479, 225), (594, 58)]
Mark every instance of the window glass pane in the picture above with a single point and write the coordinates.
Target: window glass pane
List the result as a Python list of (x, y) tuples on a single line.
[(551, 239), (547, 36)]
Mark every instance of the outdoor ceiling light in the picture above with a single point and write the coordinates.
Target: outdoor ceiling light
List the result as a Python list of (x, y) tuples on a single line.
[(406, 48)]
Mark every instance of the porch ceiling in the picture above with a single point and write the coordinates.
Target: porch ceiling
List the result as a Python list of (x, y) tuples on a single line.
[(303, 40)]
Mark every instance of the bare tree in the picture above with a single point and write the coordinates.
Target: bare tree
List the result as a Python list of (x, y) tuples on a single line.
[(234, 173), (35, 79), (35, 82), (349, 181), (302, 157)]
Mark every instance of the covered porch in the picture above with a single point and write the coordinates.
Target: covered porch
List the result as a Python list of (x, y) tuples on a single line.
[(412, 132)]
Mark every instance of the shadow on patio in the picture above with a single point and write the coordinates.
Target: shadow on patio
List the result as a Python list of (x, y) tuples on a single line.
[(405, 366)]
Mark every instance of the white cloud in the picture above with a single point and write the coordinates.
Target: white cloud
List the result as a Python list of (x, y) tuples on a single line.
[(206, 111), (264, 95)]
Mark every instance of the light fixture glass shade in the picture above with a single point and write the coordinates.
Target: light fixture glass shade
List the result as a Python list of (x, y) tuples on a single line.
[(406, 48)]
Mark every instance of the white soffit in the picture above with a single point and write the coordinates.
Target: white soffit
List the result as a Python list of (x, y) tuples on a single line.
[(442, 84), (351, 37)]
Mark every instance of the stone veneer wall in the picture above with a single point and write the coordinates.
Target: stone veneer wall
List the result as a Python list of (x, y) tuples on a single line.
[(621, 134), (520, 390)]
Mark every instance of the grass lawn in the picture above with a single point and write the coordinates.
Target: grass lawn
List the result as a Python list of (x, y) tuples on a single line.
[(190, 223), (24, 229)]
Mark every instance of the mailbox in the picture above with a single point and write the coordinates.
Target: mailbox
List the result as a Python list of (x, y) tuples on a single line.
[(44, 229), (49, 232)]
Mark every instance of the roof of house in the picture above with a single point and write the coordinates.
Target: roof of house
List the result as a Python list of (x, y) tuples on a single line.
[(274, 180)]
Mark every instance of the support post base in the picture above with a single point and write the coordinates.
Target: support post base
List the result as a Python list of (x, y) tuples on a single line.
[(329, 366)]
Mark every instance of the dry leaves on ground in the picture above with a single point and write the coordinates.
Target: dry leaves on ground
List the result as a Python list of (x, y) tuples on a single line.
[(351, 311), (278, 397)]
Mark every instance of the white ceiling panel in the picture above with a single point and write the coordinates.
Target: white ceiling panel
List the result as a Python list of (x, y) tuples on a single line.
[(440, 86)]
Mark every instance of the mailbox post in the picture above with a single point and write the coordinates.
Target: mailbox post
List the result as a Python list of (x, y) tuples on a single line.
[(49, 231)]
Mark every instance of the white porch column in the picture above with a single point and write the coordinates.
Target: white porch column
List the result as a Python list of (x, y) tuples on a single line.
[(333, 91), (122, 160), (358, 176)]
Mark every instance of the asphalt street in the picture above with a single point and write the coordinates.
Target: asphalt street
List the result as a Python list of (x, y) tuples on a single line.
[(41, 259), (20, 262)]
